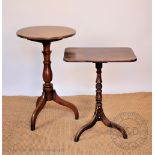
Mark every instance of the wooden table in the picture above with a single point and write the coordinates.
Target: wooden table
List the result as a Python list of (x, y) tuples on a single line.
[(46, 35), (99, 56)]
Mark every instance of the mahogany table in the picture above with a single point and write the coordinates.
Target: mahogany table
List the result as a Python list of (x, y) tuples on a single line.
[(99, 56), (46, 35)]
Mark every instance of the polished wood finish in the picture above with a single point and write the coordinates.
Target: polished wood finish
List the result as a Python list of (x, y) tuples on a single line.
[(99, 114), (99, 54), (46, 35)]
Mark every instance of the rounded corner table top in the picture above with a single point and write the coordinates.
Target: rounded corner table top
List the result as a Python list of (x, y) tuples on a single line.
[(45, 33), (99, 54)]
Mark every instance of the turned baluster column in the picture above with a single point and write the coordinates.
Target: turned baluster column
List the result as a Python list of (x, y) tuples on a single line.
[(99, 110), (47, 72)]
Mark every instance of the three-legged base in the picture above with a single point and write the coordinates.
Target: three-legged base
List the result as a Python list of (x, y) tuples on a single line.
[(41, 101), (100, 116)]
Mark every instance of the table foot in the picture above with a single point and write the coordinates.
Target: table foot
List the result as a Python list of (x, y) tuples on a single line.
[(60, 101), (41, 101), (85, 127), (110, 124)]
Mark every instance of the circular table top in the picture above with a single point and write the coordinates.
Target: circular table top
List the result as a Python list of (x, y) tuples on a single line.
[(45, 33)]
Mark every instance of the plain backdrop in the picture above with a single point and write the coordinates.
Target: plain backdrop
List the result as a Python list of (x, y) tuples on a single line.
[(101, 23)]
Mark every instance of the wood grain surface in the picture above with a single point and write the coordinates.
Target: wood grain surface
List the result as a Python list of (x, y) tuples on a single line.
[(93, 54), (47, 33)]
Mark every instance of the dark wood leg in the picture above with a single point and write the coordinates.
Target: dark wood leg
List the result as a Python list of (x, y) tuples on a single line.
[(60, 101), (38, 100), (114, 125), (99, 114), (48, 92), (41, 103), (85, 127)]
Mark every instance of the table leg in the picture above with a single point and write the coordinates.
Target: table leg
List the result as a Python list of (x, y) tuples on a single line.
[(85, 127), (110, 124), (40, 105), (38, 100), (60, 101)]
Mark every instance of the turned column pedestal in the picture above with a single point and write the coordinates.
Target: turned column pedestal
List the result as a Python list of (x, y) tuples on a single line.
[(99, 114)]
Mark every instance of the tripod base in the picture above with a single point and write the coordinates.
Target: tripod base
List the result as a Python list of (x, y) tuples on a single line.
[(105, 121), (41, 101)]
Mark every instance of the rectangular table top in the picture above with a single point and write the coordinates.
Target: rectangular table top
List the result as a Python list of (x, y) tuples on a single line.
[(99, 54)]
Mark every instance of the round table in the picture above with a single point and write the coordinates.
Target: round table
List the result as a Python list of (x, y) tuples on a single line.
[(46, 35)]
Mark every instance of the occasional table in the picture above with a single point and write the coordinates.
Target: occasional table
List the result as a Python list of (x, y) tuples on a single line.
[(99, 56), (46, 35)]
